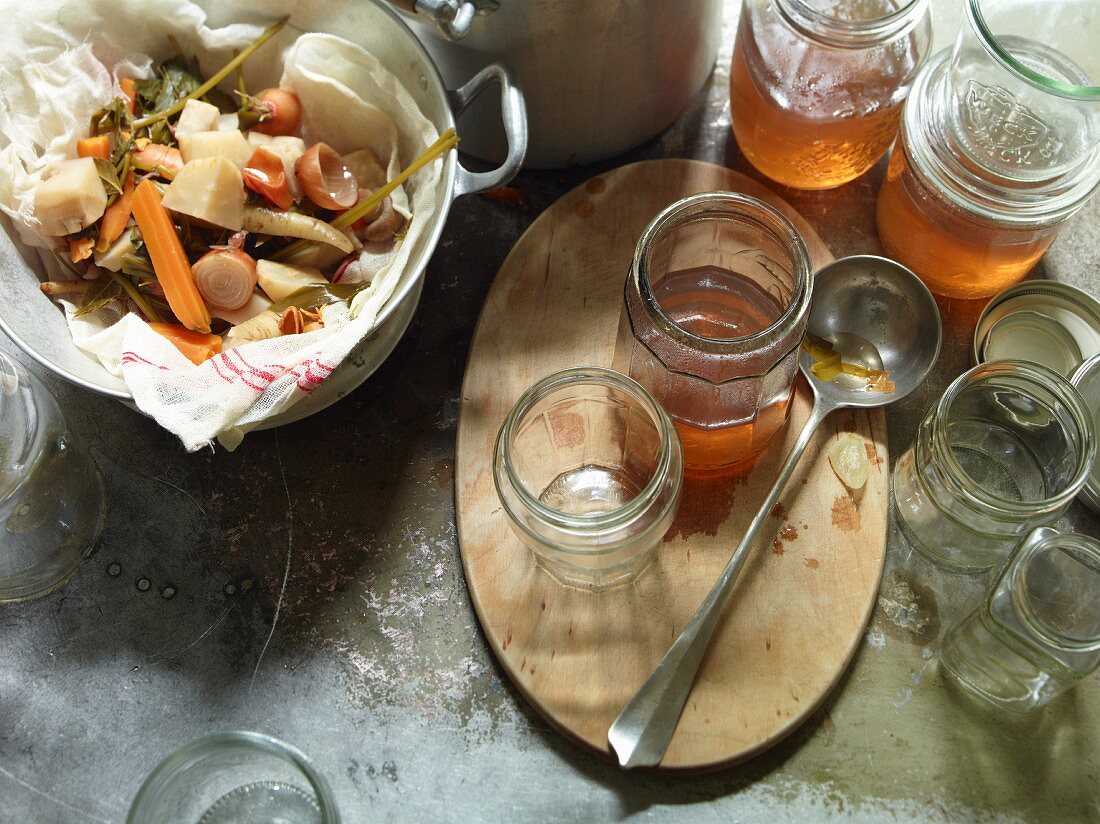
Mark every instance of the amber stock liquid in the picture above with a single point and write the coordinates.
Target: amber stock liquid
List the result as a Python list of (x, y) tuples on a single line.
[(953, 253), (824, 116), (717, 303)]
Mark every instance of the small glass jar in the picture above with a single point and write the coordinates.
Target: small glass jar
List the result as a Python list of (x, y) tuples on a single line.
[(52, 497), (1038, 631), (588, 468), (817, 86), (716, 304), (1005, 450), (235, 778), (999, 145)]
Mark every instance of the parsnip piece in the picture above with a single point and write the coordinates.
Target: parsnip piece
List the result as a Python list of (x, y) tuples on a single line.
[(231, 145), (196, 116), (280, 280), (258, 140), (261, 327), (288, 149), (71, 198), (257, 304), (293, 224), (228, 123), (112, 258), (848, 457), (209, 189)]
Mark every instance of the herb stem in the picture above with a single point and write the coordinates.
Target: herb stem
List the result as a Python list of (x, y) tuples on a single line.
[(132, 292), (445, 143), (217, 78)]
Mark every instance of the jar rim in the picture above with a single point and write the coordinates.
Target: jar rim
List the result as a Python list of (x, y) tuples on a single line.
[(992, 45), (1038, 375), (167, 769), (834, 31), (767, 218), (594, 521), (1017, 582)]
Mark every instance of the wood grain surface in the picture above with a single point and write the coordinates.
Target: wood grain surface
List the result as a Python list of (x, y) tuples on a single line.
[(799, 610)]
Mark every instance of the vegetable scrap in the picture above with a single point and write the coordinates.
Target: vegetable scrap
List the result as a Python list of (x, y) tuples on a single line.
[(199, 210), (828, 365)]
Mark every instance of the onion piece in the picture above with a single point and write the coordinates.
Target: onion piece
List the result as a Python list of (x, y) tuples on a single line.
[(282, 112), (226, 278), (326, 180), (385, 225)]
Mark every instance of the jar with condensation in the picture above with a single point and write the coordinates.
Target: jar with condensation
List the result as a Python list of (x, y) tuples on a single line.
[(715, 307), (1037, 633), (1005, 450), (817, 86), (999, 144)]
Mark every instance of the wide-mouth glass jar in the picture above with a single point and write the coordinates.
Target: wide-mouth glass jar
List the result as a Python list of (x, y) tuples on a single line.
[(1037, 633), (1005, 450), (588, 468), (817, 86), (999, 144), (716, 303), (235, 778)]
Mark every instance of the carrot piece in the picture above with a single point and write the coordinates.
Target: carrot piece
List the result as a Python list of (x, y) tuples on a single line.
[(195, 346), (168, 257), (129, 92), (98, 146), (80, 249), (117, 215), (157, 157)]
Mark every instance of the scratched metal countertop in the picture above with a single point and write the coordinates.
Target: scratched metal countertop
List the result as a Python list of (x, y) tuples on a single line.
[(377, 667)]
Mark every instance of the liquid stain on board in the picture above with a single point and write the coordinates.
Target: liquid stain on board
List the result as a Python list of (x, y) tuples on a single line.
[(706, 501)]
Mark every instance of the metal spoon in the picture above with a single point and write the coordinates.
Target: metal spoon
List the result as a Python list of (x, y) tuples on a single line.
[(875, 312)]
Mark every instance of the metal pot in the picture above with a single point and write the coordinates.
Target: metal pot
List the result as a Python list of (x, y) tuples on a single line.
[(39, 328), (599, 77)]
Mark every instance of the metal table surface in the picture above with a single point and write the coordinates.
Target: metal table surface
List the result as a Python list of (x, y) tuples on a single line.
[(377, 667)]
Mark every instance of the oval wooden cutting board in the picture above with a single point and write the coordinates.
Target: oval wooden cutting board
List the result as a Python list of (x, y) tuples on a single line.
[(799, 610)]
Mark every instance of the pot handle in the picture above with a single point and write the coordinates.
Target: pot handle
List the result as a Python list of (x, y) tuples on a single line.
[(514, 113)]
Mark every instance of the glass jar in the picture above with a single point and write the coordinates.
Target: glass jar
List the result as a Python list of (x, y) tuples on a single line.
[(1005, 449), (52, 498), (816, 86), (588, 468), (999, 144), (1038, 631), (715, 308), (235, 778)]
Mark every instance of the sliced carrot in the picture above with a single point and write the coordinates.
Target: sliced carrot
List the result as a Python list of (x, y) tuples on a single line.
[(98, 146), (195, 346), (129, 92), (80, 249), (157, 157), (168, 257), (117, 215)]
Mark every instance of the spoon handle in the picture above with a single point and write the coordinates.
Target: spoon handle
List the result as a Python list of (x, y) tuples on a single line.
[(642, 731)]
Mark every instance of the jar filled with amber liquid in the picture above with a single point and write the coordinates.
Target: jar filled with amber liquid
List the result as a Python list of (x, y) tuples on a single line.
[(817, 86), (999, 145)]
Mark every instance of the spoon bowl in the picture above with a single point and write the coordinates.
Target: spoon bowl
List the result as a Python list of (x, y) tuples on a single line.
[(876, 313)]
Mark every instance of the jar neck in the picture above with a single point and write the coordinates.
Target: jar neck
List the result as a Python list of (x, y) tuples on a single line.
[(760, 219), (938, 157), (937, 448), (851, 25)]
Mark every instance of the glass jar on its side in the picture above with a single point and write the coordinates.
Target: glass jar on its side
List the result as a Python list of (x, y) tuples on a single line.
[(1005, 450), (816, 88), (1037, 633), (588, 468), (715, 307)]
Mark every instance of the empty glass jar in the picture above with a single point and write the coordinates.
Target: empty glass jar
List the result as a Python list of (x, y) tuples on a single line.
[(52, 499), (715, 307), (817, 86), (1038, 631), (999, 144), (1005, 450), (588, 468)]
